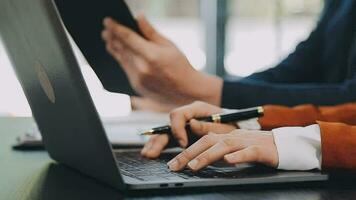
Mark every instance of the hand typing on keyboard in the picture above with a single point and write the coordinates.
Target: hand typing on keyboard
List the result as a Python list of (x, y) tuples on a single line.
[(239, 146), (218, 141)]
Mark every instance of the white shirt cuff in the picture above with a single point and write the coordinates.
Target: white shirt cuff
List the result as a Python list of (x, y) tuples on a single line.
[(298, 147)]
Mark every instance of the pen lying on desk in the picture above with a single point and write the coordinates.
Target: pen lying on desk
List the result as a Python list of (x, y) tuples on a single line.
[(242, 114)]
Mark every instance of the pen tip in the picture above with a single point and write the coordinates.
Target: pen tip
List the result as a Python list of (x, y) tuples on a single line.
[(150, 132)]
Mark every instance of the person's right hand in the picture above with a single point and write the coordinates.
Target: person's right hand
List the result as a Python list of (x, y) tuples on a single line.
[(156, 68), (179, 117)]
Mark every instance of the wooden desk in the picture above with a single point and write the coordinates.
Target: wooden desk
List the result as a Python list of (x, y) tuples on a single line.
[(32, 175)]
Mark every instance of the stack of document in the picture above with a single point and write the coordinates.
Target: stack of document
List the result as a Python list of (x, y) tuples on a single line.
[(123, 132)]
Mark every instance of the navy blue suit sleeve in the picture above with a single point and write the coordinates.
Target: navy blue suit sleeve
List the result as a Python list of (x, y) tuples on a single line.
[(303, 65), (249, 93), (296, 80)]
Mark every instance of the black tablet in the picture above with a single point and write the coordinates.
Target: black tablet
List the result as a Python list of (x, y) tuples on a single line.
[(83, 19)]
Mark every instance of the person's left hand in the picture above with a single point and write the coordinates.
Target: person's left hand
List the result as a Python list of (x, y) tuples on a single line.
[(239, 146), (156, 68)]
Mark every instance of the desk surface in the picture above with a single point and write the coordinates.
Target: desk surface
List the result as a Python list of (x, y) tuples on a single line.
[(32, 175)]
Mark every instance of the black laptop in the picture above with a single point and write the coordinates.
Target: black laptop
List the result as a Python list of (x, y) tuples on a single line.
[(72, 132)]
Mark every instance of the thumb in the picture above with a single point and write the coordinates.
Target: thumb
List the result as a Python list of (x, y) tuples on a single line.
[(202, 128), (148, 31)]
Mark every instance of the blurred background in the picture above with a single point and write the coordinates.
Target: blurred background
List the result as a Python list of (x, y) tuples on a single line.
[(223, 37)]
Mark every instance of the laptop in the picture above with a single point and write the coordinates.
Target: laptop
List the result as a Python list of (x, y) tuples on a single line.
[(71, 129)]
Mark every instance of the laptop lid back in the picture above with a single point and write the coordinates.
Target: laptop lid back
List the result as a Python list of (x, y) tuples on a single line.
[(53, 84)]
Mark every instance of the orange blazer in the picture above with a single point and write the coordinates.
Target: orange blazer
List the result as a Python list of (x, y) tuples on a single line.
[(337, 126)]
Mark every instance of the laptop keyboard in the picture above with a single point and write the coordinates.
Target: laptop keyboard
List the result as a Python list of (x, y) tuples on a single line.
[(132, 164)]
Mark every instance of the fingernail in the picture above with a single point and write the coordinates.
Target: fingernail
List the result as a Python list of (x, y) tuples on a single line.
[(106, 21), (193, 164), (148, 146), (182, 143), (227, 157), (140, 14), (169, 162), (173, 164), (143, 151)]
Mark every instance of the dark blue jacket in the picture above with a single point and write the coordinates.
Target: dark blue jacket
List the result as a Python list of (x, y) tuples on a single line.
[(321, 71)]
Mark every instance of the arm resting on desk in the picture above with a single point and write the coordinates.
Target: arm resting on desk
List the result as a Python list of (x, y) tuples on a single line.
[(303, 115), (338, 140), (338, 146)]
